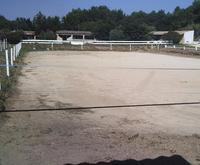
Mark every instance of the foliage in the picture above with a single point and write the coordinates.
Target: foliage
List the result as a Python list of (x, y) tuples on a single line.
[(117, 34), (172, 36), (49, 35), (14, 37), (104, 22)]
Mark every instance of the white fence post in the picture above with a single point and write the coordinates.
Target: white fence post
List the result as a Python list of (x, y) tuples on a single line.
[(6, 44), (130, 47), (11, 56), (196, 48), (158, 47), (14, 53), (1, 46), (184, 48), (52, 45), (7, 64), (111, 47), (174, 46)]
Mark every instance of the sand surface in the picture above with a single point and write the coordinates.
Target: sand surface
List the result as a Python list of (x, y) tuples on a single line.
[(63, 79)]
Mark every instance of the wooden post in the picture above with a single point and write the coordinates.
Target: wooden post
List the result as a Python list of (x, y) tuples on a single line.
[(130, 47), (7, 64), (81, 46)]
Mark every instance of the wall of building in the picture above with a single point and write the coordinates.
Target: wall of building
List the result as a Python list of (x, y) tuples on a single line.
[(188, 37)]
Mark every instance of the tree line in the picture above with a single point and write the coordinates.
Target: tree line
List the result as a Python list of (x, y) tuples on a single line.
[(108, 24)]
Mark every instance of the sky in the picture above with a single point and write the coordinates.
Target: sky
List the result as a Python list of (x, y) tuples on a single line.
[(28, 8)]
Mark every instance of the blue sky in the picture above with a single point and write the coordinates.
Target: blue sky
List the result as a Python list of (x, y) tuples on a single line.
[(28, 8)]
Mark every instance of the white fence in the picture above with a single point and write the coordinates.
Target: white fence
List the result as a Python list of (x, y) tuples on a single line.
[(111, 44), (96, 42), (187, 47), (3, 45), (11, 55)]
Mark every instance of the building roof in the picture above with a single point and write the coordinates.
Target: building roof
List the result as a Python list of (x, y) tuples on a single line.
[(29, 33), (160, 33), (70, 32)]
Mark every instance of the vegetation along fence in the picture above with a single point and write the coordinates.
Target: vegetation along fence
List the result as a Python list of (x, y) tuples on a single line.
[(8, 56), (3, 44)]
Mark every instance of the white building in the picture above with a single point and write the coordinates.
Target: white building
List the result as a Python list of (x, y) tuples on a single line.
[(188, 35)]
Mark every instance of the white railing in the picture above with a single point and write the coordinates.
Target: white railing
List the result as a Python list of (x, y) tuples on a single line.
[(96, 42), (184, 47), (131, 42), (44, 41), (11, 56)]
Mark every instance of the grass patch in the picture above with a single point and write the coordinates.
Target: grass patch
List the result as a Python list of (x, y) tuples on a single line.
[(8, 83)]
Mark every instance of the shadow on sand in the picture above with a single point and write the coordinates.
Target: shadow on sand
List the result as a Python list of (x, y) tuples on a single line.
[(173, 160)]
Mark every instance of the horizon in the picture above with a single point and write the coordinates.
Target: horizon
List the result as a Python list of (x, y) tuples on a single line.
[(62, 7)]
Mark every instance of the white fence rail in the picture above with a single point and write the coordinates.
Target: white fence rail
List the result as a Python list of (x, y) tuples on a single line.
[(187, 47), (96, 42), (131, 42), (11, 55), (111, 44)]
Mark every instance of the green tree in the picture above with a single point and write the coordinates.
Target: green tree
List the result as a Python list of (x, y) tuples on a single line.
[(39, 22), (22, 24), (53, 23), (4, 23)]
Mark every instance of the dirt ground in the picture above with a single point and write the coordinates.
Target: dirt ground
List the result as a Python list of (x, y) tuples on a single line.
[(60, 79)]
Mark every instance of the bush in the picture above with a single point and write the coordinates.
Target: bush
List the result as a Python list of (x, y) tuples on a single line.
[(47, 35), (173, 36), (14, 37), (117, 34)]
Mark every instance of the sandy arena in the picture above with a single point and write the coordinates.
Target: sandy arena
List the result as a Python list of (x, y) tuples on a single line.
[(63, 79)]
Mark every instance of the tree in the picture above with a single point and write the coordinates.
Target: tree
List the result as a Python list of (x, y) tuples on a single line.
[(136, 31), (53, 23), (22, 24), (39, 22), (4, 23)]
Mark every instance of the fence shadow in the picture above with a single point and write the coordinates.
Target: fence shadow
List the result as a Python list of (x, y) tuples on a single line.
[(173, 160)]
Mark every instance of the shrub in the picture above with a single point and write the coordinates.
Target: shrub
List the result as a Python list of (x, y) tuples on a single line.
[(172, 36), (14, 37), (117, 34), (49, 35)]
